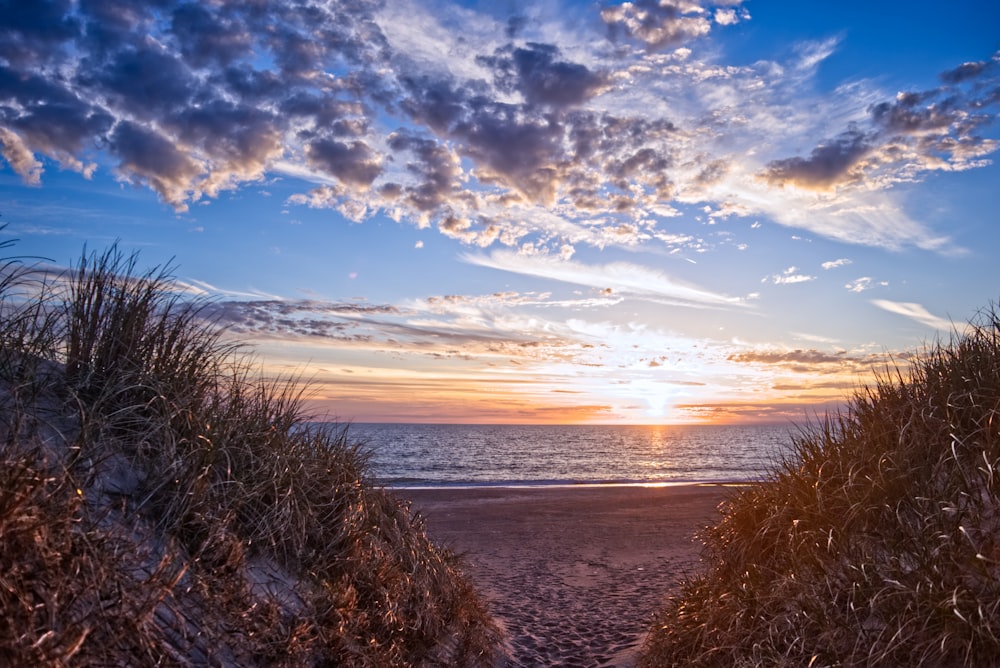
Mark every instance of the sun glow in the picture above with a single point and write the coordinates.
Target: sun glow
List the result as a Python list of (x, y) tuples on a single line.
[(658, 398)]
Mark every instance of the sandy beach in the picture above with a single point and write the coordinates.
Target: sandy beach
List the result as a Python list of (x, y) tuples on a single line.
[(575, 574)]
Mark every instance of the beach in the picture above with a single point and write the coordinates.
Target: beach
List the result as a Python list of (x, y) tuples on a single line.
[(574, 573)]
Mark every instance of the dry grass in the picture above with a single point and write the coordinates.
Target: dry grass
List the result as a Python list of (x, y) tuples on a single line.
[(876, 543), (162, 503)]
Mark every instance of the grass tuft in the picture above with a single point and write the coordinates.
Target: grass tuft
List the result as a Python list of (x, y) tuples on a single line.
[(876, 542), (163, 502)]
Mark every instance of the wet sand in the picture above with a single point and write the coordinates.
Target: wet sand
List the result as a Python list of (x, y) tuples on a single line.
[(575, 574)]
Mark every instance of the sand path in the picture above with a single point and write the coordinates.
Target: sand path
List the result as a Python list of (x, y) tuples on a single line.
[(575, 574)]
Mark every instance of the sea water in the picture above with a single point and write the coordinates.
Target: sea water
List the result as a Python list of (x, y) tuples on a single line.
[(414, 455)]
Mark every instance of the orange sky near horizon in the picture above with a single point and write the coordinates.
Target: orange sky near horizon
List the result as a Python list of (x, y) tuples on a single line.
[(730, 390)]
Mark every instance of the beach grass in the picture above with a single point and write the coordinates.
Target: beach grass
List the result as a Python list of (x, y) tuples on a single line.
[(876, 542), (162, 502)]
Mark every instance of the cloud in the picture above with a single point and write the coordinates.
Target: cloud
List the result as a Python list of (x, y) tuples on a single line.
[(528, 131), (487, 327), (917, 131), (728, 17), (149, 157), (865, 283), (437, 172), (534, 72), (837, 162), (870, 218), (33, 35), (208, 38), (839, 262), (915, 312), (789, 277), (657, 23), (966, 71), (20, 158), (812, 361), (353, 163), (622, 278)]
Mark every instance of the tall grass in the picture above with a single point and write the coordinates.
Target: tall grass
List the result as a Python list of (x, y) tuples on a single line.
[(169, 504), (876, 543)]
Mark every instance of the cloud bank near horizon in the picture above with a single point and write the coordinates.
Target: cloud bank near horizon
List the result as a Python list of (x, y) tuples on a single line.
[(525, 131)]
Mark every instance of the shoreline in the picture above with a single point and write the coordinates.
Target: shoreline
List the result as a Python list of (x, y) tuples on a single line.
[(558, 484), (574, 573)]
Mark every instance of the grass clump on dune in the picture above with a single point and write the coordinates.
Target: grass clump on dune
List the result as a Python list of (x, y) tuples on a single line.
[(875, 543), (163, 503)]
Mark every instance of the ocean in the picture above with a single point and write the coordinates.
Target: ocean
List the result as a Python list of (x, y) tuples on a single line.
[(421, 455)]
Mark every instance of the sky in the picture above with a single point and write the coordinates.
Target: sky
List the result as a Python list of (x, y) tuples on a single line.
[(660, 211)]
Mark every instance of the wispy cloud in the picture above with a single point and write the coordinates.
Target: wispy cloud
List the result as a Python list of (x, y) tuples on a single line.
[(817, 362), (915, 312), (621, 278)]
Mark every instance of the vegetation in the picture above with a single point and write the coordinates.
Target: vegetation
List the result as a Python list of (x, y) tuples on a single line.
[(876, 543), (163, 504)]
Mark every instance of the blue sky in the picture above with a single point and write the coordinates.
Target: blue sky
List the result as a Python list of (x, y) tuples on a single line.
[(657, 211)]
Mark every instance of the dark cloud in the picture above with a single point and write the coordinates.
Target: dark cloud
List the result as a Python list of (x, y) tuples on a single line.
[(912, 113), (21, 92), (325, 111), (967, 71), (534, 72), (208, 38), (436, 168), (146, 82), (34, 32), (437, 103), (238, 140), (62, 131), (111, 25), (520, 148), (48, 117), (515, 24), (513, 143), (354, 163), (251, 85), (149, 157), (828, 165)]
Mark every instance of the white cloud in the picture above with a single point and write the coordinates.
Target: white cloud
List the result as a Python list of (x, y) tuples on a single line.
[(624, 278), (726, 17), (833, 264), (864, 283), (915, 312), (789, 277)]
